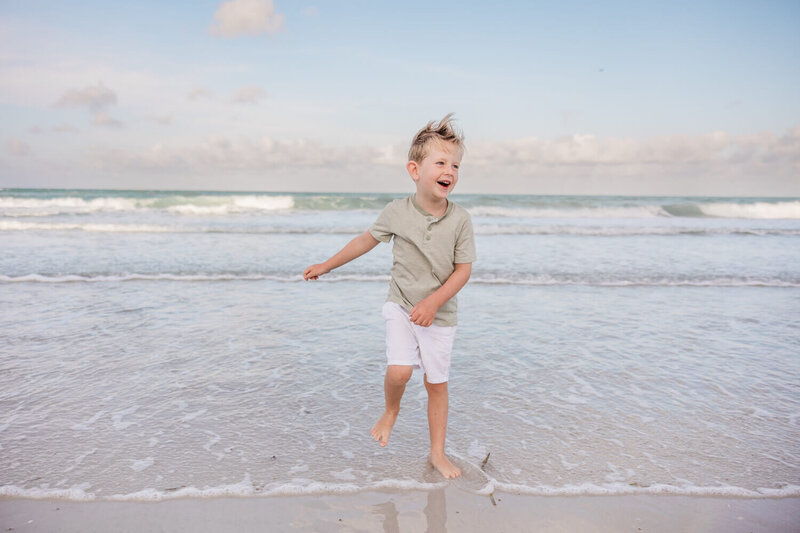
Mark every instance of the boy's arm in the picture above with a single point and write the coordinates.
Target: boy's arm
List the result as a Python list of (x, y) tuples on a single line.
[(424, 312), (355, 248)]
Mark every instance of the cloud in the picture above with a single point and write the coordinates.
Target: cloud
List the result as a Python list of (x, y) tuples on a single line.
[(716, 163), (162, 120), (222, 153), (249, 94), (713, 164), (16, 147), (717, 148), (197, 94), (65, 128), (576, 154), (96, 98), (246, 17), (105, 121)]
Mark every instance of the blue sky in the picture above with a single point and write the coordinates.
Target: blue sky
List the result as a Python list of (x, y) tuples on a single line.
[(567, 97)]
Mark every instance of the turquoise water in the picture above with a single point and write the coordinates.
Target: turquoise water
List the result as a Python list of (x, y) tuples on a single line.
[(159, 344)]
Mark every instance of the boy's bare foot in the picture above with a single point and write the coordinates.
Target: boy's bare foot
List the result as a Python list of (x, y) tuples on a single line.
[(383, 427), (444, 466)]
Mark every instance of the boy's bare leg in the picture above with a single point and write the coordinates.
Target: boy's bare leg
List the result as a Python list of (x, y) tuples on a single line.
[(394, 385), (437, 423)]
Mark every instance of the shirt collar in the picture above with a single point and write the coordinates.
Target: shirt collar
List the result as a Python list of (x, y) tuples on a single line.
[(425, 213)]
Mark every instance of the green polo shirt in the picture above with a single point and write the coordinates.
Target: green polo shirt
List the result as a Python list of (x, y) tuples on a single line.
[(425, 252)]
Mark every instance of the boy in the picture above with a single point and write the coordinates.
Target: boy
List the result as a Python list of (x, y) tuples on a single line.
[(433, 253)]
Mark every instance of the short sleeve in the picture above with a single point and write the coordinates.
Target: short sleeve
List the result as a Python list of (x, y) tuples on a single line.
[(465, 243), (382, 229)]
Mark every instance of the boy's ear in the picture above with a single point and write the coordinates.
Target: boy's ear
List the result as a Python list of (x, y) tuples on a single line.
[(413, 170)]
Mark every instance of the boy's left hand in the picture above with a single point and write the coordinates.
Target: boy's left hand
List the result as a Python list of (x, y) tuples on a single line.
[(423, 313)]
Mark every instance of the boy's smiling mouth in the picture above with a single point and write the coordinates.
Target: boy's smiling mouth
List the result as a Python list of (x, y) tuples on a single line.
[(444, 183)]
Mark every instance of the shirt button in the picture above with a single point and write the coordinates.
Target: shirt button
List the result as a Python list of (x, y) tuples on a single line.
[(427, 237)]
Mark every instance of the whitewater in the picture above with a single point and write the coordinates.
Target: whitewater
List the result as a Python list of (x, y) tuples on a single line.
[(162, 344)]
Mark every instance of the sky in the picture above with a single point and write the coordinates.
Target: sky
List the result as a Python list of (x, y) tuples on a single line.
[(569, 97)]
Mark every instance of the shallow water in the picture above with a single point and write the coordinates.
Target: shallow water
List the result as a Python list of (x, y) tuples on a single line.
[(160, 344)]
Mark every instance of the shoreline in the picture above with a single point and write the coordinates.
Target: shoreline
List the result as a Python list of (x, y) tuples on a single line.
[(444, 509)]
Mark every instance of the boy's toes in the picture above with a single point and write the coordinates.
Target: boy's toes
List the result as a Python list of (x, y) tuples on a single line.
[(377, 436)]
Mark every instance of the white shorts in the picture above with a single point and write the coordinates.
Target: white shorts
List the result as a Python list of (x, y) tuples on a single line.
[(411, 345)]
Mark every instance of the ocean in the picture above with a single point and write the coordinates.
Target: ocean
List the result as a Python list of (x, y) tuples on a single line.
[(161, 344)]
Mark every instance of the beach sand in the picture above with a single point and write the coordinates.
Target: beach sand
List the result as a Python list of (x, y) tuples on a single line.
[(448, 509)]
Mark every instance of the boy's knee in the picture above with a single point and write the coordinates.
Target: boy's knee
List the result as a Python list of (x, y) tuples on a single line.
[(399, 374), (436, 388)]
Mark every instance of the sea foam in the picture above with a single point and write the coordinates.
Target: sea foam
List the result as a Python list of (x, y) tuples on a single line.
[(520, 279), (757, 210), (187, 205), (247, 488)]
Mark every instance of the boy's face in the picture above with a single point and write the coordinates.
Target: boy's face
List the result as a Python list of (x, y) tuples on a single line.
[(437, 174)]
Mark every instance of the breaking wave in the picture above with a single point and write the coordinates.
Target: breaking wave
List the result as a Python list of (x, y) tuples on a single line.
[(480, 229), (248, 488), (26, 203), (481, 279)]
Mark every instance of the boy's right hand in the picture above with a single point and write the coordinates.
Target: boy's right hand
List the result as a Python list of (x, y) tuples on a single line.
[(315, 271)]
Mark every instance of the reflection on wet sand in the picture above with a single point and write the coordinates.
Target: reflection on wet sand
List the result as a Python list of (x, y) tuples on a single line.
[(435, 513), (389, 512)]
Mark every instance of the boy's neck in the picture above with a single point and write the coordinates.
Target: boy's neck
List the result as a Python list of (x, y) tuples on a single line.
[(435, 207)]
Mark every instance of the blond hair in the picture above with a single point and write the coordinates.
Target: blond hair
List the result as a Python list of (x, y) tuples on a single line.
[(441, 132)]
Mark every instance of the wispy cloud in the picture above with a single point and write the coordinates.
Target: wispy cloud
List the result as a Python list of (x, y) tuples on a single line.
[(199, 93), (105, 121), (65, 128), (249, 94), (17, 147), (161, 120), (95, 97), (590, 150), (712, 163), (246, 17), (220, 153)]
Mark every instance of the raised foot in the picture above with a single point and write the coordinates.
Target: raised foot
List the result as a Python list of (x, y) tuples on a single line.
[(444, 466), (383, 428)]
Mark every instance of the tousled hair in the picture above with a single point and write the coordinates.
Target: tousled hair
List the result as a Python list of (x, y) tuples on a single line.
[(442, 132)]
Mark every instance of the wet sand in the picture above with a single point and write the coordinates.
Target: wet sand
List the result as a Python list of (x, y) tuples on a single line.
[(449, 509)]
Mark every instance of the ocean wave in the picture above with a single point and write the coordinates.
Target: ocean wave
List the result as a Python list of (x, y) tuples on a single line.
[(487, 279), (755, 210), (248, 488), (748, 210), (548, 280), (222, 204), (480, 229), (54, 203), (244, 488), (621, 489), (14, 225), (643, 211), (67, 204), (624, 231), (115, 278)]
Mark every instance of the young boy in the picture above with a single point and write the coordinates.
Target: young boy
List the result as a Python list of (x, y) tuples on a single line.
[(433, 253)]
